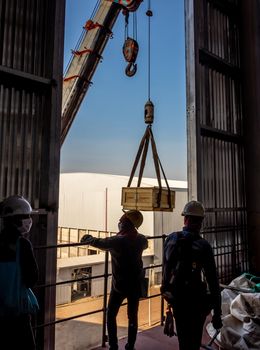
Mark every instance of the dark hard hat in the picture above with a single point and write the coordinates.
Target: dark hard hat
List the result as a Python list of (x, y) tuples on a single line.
[(135, 216)]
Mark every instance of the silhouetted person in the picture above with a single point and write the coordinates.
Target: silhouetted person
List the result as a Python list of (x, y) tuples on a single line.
[(18, 269), (190, 283), (126, 250)]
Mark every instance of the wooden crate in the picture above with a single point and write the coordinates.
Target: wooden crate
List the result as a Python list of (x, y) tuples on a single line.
[(145, 198)]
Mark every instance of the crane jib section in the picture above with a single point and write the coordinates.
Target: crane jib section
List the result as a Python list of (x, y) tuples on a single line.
[(84, 62), (87, 55)]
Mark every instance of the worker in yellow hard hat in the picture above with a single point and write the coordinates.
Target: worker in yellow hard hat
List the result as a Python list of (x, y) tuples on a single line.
[(126, 250), (190, 282)]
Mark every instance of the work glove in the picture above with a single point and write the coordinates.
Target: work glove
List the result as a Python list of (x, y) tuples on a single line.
[(88, 239), (169, 323), (216, 321)]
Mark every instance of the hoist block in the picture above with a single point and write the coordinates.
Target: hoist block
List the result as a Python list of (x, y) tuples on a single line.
[(146, 199), (131, 5)]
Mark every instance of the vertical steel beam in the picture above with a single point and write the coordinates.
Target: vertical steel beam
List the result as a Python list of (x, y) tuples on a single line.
[(191, 99), (214, 127), (250, 22), (52, 66), (31, 59)]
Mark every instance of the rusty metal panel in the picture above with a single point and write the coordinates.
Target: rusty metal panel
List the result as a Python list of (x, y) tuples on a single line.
[(31, 61), (216, 174)]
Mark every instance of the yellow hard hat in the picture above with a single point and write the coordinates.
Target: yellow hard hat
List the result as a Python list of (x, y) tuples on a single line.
[(135, 216), (194, 208)]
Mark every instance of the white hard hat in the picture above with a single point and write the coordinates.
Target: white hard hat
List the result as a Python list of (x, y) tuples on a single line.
[(194, 208), (16, 205)]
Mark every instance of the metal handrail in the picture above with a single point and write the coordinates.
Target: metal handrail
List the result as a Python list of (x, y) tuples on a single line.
[(106, 275)]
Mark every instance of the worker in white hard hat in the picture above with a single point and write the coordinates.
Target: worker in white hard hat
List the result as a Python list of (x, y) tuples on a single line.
[(190, 282), (18, 273), (126, 250)]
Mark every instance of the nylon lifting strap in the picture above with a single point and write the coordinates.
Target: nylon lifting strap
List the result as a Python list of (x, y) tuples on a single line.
[(148, 136), (142, 150)]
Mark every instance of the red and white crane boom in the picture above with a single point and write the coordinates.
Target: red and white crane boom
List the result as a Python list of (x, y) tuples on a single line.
[(87, 55)]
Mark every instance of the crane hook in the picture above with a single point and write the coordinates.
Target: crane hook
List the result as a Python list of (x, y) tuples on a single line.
[(131, 69)]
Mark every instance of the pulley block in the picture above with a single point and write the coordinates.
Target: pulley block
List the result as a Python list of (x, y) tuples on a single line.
[(133, 5), (130, 5), (149, 112), (130, 51)]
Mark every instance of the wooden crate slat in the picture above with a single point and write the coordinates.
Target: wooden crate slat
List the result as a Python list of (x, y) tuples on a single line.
[(145, 199)]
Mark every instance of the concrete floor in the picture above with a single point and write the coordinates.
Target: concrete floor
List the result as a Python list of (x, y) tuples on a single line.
[(86, 332), (154, 339)]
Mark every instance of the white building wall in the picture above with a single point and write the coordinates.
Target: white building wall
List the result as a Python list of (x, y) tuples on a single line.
[(165, 223), (93, 201), (97, 285), (67, 266), (63, 291)]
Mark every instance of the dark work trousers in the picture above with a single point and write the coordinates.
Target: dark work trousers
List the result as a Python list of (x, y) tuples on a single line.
[(16, 333), (189, 326), (114, 303)]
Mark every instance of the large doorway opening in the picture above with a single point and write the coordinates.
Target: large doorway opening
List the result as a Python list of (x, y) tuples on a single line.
[(100, 147)]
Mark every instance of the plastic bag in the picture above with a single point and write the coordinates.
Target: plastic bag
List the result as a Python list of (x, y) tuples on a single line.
[(241, 315), (255, 280)]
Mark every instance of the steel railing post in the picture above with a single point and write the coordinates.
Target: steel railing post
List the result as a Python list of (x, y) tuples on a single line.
[(104, 338), (162, 300)]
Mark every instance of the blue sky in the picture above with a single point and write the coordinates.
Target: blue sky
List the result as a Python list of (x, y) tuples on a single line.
[(107, 130)]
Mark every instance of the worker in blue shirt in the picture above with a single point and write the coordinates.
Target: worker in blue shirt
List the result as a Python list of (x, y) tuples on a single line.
[(190, 282)]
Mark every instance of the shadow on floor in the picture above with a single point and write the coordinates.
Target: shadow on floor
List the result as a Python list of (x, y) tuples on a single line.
[(154, 339)]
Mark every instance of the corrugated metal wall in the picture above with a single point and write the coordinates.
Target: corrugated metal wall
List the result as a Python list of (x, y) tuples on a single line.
[(31, 62), (216, 171)]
